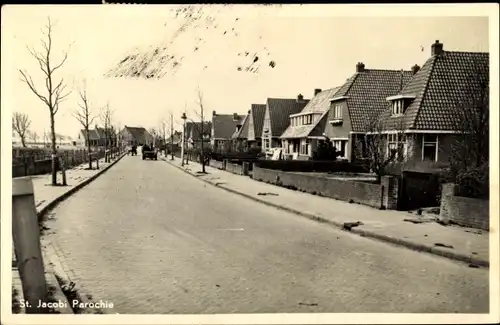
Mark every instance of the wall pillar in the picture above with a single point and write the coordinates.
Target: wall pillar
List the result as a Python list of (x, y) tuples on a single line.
[(390, 191), (245, 168)]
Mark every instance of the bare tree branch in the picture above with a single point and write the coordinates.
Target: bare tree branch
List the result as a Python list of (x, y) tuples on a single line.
[(20, 125)]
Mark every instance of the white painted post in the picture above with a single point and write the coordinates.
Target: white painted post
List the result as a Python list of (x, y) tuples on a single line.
[(26, 237)]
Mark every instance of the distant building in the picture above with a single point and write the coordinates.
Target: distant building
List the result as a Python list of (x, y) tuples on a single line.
[(131, 135)]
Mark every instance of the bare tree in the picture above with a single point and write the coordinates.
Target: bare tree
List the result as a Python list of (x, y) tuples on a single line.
[(201, 130), (469, 154), (86, 118), (20, 125), (55, 90), (381, 149), (107, 117), (34, 137), (163, 134)]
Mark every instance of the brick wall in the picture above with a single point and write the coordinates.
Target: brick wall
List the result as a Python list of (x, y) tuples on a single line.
[(234, 168), (359, 192), (468, 212)]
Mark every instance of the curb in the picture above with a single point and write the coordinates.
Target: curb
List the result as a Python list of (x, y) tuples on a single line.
[(50, 258), (364, 233), (77, 187)]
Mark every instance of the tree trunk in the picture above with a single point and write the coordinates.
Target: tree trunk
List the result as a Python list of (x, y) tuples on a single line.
[(54, 149), (23, 142), (88, 147)]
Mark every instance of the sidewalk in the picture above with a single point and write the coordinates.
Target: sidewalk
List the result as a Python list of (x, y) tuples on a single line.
[(46, 197), (465, 244)]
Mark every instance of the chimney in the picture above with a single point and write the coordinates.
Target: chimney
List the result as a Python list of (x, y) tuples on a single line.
[(437, 48), (415, 69), (236, 117), (360, 67), (300, 98), (214, 113), (317, 91)]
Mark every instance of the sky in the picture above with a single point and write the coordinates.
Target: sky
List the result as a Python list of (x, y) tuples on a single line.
[(313, 46)]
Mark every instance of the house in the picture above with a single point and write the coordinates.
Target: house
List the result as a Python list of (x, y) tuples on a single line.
[(131, 135), (360, 100), (98, 137), (277, 119), (255, 125), (240, 135), (423, 119), (298, 139), (223, 127), (193, 135), (173, 141)]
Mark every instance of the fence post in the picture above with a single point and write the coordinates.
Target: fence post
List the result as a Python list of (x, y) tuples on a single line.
[(26, 237), (97, 161)]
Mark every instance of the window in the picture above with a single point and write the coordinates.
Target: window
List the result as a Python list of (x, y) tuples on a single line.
[(337, 111), (266, 143), (340, 145), (429, 147), (396, 145), (304, 147), (398, 107)]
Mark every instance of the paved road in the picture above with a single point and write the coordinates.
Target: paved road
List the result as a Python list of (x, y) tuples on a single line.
[(152, 239)]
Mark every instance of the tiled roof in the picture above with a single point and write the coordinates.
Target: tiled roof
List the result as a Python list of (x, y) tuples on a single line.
[(96, 133), (242, 133), (318, 104), (193, 129), (445, 82), (367, 92), (136, 132), (258, 112), (224, 125), (280, 110)]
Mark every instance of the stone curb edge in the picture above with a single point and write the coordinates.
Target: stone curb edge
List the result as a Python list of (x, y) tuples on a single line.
[(364, 233), (51, 206)]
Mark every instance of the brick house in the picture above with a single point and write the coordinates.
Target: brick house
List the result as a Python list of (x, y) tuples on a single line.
[(277, 119), (421, 119), (363, 97), (97, 137), (131, 135), (301, 137), (193, 134), (223, 127), (240, 135), (255, 125)]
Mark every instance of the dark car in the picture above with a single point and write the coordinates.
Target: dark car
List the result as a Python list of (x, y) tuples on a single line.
[(149, 152)]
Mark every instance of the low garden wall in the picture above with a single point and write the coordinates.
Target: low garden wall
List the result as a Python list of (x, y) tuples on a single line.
[(311, 166), (464, 211), (29, 165), (375, 195), (216, 164), (234, 168)]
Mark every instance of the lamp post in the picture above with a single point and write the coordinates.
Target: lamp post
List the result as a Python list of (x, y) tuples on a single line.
[(184, 117)]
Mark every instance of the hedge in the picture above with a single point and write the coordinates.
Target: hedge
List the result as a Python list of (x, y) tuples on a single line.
[(311, 166)]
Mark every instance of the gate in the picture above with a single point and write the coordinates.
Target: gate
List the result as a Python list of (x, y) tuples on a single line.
[(418, 190)]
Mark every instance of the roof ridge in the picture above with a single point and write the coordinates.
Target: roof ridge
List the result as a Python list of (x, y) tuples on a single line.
[(468, 52), (433, 65), (387, 70)]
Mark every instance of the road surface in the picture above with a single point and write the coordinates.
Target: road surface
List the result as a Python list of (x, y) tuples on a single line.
[(153, 239)]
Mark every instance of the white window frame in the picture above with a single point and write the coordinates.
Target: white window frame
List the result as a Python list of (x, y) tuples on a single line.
[(394, 140), (398, 107), (337, 111), (428, 144)]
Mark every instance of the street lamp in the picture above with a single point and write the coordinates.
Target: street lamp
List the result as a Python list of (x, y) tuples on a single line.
[(184, 117)]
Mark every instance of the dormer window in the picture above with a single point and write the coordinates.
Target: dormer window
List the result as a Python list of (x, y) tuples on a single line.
[(398, 107), (337, 111)]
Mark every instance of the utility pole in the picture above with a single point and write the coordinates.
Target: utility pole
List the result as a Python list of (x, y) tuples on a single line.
[(172, 135)]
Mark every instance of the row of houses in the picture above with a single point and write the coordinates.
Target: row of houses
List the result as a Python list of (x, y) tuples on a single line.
[(415, 109)]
